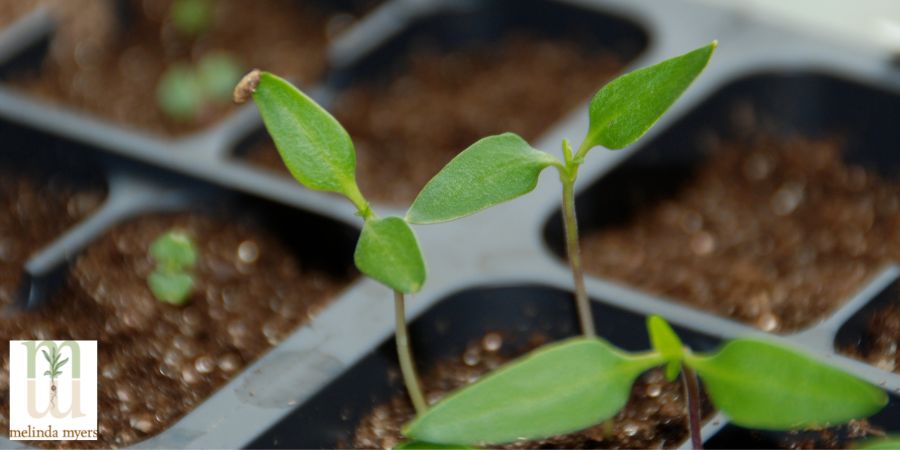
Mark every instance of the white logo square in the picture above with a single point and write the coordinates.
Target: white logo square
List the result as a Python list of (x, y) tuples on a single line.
[(53, 390)]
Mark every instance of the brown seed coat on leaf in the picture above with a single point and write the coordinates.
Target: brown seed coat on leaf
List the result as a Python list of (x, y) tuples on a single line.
[(246, 86)]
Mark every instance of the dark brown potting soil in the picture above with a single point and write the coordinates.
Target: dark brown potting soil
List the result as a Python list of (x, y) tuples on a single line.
[(776, 232), (111, 68), (653, 418), (879, 343), (37, 204), (158, 361), (849, 435), (437, 103), (12, 10)]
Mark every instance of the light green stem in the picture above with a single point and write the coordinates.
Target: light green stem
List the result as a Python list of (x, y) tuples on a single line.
[(407, 365), (574, 251)]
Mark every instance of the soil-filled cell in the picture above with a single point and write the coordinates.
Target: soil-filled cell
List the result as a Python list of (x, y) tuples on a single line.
[(850, 435), (46, 186), (108, 57), (873, 333), (460, 339), (772, 203), (259, 274)]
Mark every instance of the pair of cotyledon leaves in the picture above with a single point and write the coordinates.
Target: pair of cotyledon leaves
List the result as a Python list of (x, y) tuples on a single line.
[(580, 382), (175, 255), (319, 154)]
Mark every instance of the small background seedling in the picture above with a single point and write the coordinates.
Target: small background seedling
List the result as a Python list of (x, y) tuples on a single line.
[(175, 255), (192, 17), (185, 90)]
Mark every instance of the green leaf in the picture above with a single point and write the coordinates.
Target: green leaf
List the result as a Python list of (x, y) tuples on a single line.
[(47, 357), (171, 287), (62, 363), (419, 445), (314, 146), (179, 93), (623, 110), (389, 252), (558, 389), (667, 343), (47, 373), (174, 250), (765, 386), (491, 171), (218, 72)]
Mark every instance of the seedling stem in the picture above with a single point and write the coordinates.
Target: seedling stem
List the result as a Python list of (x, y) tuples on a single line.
[(692, 394), (407, 365), (567, 175)]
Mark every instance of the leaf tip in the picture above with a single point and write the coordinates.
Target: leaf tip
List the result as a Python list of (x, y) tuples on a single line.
[(247, 86)]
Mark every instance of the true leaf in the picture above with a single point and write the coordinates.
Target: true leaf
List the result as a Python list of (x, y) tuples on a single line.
[(558, 389), (171, 287), (62, 363), (667, 343), (47, 357), (491, 171), (389, 252), (314, 146), (765, 386), (174, 250), (47, 373), (623, 110)]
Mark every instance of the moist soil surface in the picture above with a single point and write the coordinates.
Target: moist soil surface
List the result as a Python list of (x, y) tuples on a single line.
[(879, 343), (158, 361), (108, 62), (37, 204), (436, 103), (775, 232), (653, 418)]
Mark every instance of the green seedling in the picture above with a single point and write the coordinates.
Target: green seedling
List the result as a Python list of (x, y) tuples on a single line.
[(175, 255), (192, 17), (55, 370), (185, 90), (500, 168), (319, 153), (581, 382)]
